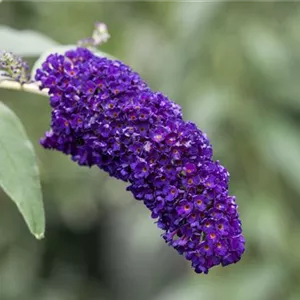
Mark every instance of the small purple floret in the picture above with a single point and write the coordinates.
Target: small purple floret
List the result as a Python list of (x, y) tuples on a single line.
[(105, 115)]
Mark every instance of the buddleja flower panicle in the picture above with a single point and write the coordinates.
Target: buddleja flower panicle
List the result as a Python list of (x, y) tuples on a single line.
[(13, 67), (105, 115)]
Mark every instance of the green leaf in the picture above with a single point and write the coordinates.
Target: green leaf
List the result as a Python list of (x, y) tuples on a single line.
[(61, 50), (24, 42), (19, 175)]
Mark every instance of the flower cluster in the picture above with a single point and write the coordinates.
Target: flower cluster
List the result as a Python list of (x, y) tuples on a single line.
[(12, 67), (104, 114)]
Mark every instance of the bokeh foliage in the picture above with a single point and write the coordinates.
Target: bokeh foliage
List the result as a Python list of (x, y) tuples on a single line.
[(234, 68)]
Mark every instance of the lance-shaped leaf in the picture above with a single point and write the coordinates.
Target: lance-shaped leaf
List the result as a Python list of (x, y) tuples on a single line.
[(19, 174), (24, 42)]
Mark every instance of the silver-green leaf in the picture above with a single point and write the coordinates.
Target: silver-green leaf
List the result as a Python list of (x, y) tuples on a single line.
[(19, 174), (24, 42)]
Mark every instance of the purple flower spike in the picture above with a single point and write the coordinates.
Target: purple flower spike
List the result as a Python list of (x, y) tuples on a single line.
[(105, 115)]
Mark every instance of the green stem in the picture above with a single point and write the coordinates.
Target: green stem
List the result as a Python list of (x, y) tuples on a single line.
[(26, 87)]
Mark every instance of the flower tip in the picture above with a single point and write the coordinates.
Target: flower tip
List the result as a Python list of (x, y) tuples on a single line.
[(100, 35)]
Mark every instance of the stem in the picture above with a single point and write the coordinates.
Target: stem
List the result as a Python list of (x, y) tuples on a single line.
[(26, 87)]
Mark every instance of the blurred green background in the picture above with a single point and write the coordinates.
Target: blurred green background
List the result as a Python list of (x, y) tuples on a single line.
[(235, 69)]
